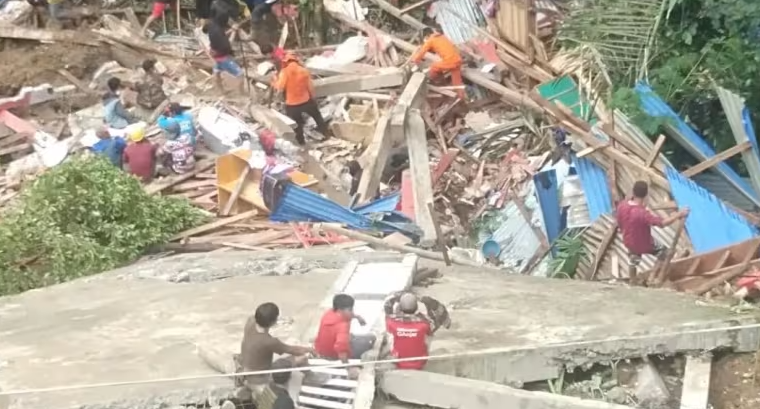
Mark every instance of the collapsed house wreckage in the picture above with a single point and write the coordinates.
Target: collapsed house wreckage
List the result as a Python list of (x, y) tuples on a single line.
[(497, 181)]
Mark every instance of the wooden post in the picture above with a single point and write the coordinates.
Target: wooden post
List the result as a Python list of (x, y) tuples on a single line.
[(438, 234), (661, 272)]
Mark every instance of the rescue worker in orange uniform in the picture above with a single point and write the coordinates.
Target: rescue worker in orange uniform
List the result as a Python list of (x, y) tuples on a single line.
[(451, 60), (295, 81)]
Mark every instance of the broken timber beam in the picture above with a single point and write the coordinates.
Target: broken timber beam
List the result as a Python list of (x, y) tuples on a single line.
[(384, 78), (419, 165), (272, 120), (715, 160), (48, 36), (415, 6), (377, 156)]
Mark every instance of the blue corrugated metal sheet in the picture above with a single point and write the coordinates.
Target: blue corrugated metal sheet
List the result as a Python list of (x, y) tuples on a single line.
[(548, 200), (655, 106), (302, 205), (382, 205), (711, 225), (595, 187)]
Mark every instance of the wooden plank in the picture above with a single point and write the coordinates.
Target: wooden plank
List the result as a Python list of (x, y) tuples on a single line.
[(415, 6), (715, 160), (443, 165), (727, 273), (163, 184), (214, 225), (24, 147), (693, 268), (721, 261), (419, 165), (696, 382), (74, 80), (321, 403), (330, 371), (377, 157), (395, 12), (332, 393), (439, 234), (194, 184), (609, 237), (236, 192), (660, 274), (655, 151)]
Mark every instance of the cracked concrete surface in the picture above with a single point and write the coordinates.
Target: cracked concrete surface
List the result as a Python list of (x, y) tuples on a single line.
[(134, 323), (520, 320)]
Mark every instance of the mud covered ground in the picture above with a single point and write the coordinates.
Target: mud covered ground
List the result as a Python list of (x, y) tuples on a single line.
[(26, 63)]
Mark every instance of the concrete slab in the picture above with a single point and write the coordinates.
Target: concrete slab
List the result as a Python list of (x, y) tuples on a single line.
[(387, 77), (696, 382), (142, 322), (445, 391), (531, 326)]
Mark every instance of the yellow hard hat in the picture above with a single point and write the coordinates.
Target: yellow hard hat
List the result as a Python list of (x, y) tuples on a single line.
[(136, 133)]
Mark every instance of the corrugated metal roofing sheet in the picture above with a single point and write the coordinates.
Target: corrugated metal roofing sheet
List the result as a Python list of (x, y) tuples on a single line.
[(711, 225), (741, 127), (382, 205), (689, 139), (453, 27), (302, 205), (516, 238), (717, 185), (595, 186)]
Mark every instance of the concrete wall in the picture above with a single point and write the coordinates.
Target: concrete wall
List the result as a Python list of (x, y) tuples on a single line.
[(443, 391)]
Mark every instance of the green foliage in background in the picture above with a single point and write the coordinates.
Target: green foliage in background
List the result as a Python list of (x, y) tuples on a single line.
[(682, 48), (83, 217), (569, 247)]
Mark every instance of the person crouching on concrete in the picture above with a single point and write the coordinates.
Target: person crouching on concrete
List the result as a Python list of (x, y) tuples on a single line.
[(259, 347), (451, 60), (408, 328), (115, 114), (295, 81), (334, 339)]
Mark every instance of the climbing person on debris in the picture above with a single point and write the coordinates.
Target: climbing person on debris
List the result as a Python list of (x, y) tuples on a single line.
[(109, 146), (140, 154), (259, 346), (221, 48), (451, 60), (334, 339), (150, 91), (295, 81), (410, 329), (636, 222), (115, 114), (178, 153), (157, 11), (176, 113)]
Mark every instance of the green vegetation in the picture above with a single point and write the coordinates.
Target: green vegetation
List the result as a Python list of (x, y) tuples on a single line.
[(570, 250), (83, 217), (682, 48)]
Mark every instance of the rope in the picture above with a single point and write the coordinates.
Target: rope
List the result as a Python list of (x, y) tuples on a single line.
[(439, 357)]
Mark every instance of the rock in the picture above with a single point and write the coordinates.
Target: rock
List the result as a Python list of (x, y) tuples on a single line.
[(228, 405), (618, 395), (650, 388)]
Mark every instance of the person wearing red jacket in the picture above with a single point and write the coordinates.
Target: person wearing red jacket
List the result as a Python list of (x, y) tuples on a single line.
[(334, 340), (410, 330)]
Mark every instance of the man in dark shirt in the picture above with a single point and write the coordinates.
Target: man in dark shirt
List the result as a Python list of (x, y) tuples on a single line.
[(636, 222), (280, 398), (221, 48), (259, 346)]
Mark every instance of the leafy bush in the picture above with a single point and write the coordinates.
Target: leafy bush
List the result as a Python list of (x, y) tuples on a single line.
[(83, 217)]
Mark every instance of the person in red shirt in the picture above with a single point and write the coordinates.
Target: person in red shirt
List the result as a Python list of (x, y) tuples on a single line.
[(409, 330), (140, 155), (334, 339), (636, 222)]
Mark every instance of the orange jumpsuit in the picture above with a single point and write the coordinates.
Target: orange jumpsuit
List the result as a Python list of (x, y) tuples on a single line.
[(450, 61)]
